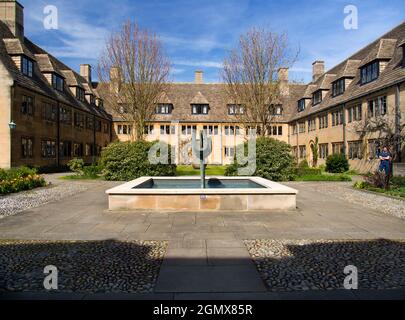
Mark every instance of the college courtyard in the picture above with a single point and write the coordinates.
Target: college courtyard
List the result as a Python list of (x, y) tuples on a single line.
[(314, 220), (298, 254)]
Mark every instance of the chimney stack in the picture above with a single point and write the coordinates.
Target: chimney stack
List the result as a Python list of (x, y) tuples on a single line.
[(115, 79), (282, 75), (198, 77), (318, 69), (85, 72), (12, 14)]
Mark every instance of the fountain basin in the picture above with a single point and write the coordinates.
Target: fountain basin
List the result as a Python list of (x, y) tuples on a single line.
[(184, 194)]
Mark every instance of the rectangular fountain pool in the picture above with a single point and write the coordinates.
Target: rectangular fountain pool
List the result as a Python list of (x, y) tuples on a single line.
[(211, 183), (185, 194)]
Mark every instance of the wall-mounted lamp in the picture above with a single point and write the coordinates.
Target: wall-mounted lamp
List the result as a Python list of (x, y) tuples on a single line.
[(12, 125)]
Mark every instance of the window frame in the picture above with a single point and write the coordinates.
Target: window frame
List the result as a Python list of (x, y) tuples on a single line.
[(301, 105), (27, 66), (199, 109), (338, 87), (50, 145), (80, 94), (164, 108), (317, 97), (58, 82), (370, 72), (26, 152), (27, 105)]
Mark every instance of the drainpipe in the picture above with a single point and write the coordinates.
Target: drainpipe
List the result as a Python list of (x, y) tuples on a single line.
[(398, 122), (12, 101), (93, 158), (344, 128), (298, 148), (221, 144), (57, 134)]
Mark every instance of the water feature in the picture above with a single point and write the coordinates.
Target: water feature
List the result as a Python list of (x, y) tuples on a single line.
[(211, 183)]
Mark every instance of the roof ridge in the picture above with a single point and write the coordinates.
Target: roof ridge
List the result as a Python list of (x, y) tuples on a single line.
[(402, 24)]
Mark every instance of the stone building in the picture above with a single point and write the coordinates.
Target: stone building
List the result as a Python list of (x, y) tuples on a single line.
[(48, 113), (333, 109)]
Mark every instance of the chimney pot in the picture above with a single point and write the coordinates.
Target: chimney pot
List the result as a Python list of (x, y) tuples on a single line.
[(198, 77), (318, 69)]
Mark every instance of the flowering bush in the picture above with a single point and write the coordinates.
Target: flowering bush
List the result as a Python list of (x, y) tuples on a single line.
[(16, 180)]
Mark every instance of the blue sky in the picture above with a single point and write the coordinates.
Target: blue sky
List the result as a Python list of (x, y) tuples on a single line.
[(198, 34)]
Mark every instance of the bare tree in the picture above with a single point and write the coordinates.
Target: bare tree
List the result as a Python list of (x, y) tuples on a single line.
[(134, 61), (250, 75), (384, 130)]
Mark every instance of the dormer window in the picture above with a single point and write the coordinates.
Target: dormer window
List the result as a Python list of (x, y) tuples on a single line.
[(80, 94), (370, 72), (235, 109), (58, 82), (27, 66), (164, 108), (199, 109), (338, 87), (301, 105), (276, 109), (316, 97)]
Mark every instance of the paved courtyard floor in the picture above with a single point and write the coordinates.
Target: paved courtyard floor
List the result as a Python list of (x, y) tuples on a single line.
[(206, 251)]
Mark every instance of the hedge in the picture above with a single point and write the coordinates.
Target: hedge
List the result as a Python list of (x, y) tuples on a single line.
[(124, 161), (273, 160)]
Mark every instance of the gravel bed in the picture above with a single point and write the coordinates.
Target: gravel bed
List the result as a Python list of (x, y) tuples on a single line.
[(296, 265), (83, 266), (57, 189), (346, 192)]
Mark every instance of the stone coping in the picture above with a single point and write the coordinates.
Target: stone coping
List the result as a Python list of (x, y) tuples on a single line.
[(271, 187)]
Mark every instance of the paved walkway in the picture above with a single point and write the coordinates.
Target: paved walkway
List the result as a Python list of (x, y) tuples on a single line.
[(205, 253)]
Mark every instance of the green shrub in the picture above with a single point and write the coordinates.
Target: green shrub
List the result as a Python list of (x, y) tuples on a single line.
[(91, 171), (307, 171), (76, 165), (398, 181), (14, 173), (361, 185), (303, 164), (19, 179), (123, 161), (337, 163), (325, 177), (273, 160)]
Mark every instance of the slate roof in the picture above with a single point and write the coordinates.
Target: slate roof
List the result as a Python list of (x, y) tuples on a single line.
[(182, 95), (45, 62), (387, 47)]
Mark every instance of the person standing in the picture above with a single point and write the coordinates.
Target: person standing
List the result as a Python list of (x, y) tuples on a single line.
[(385, 164)]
